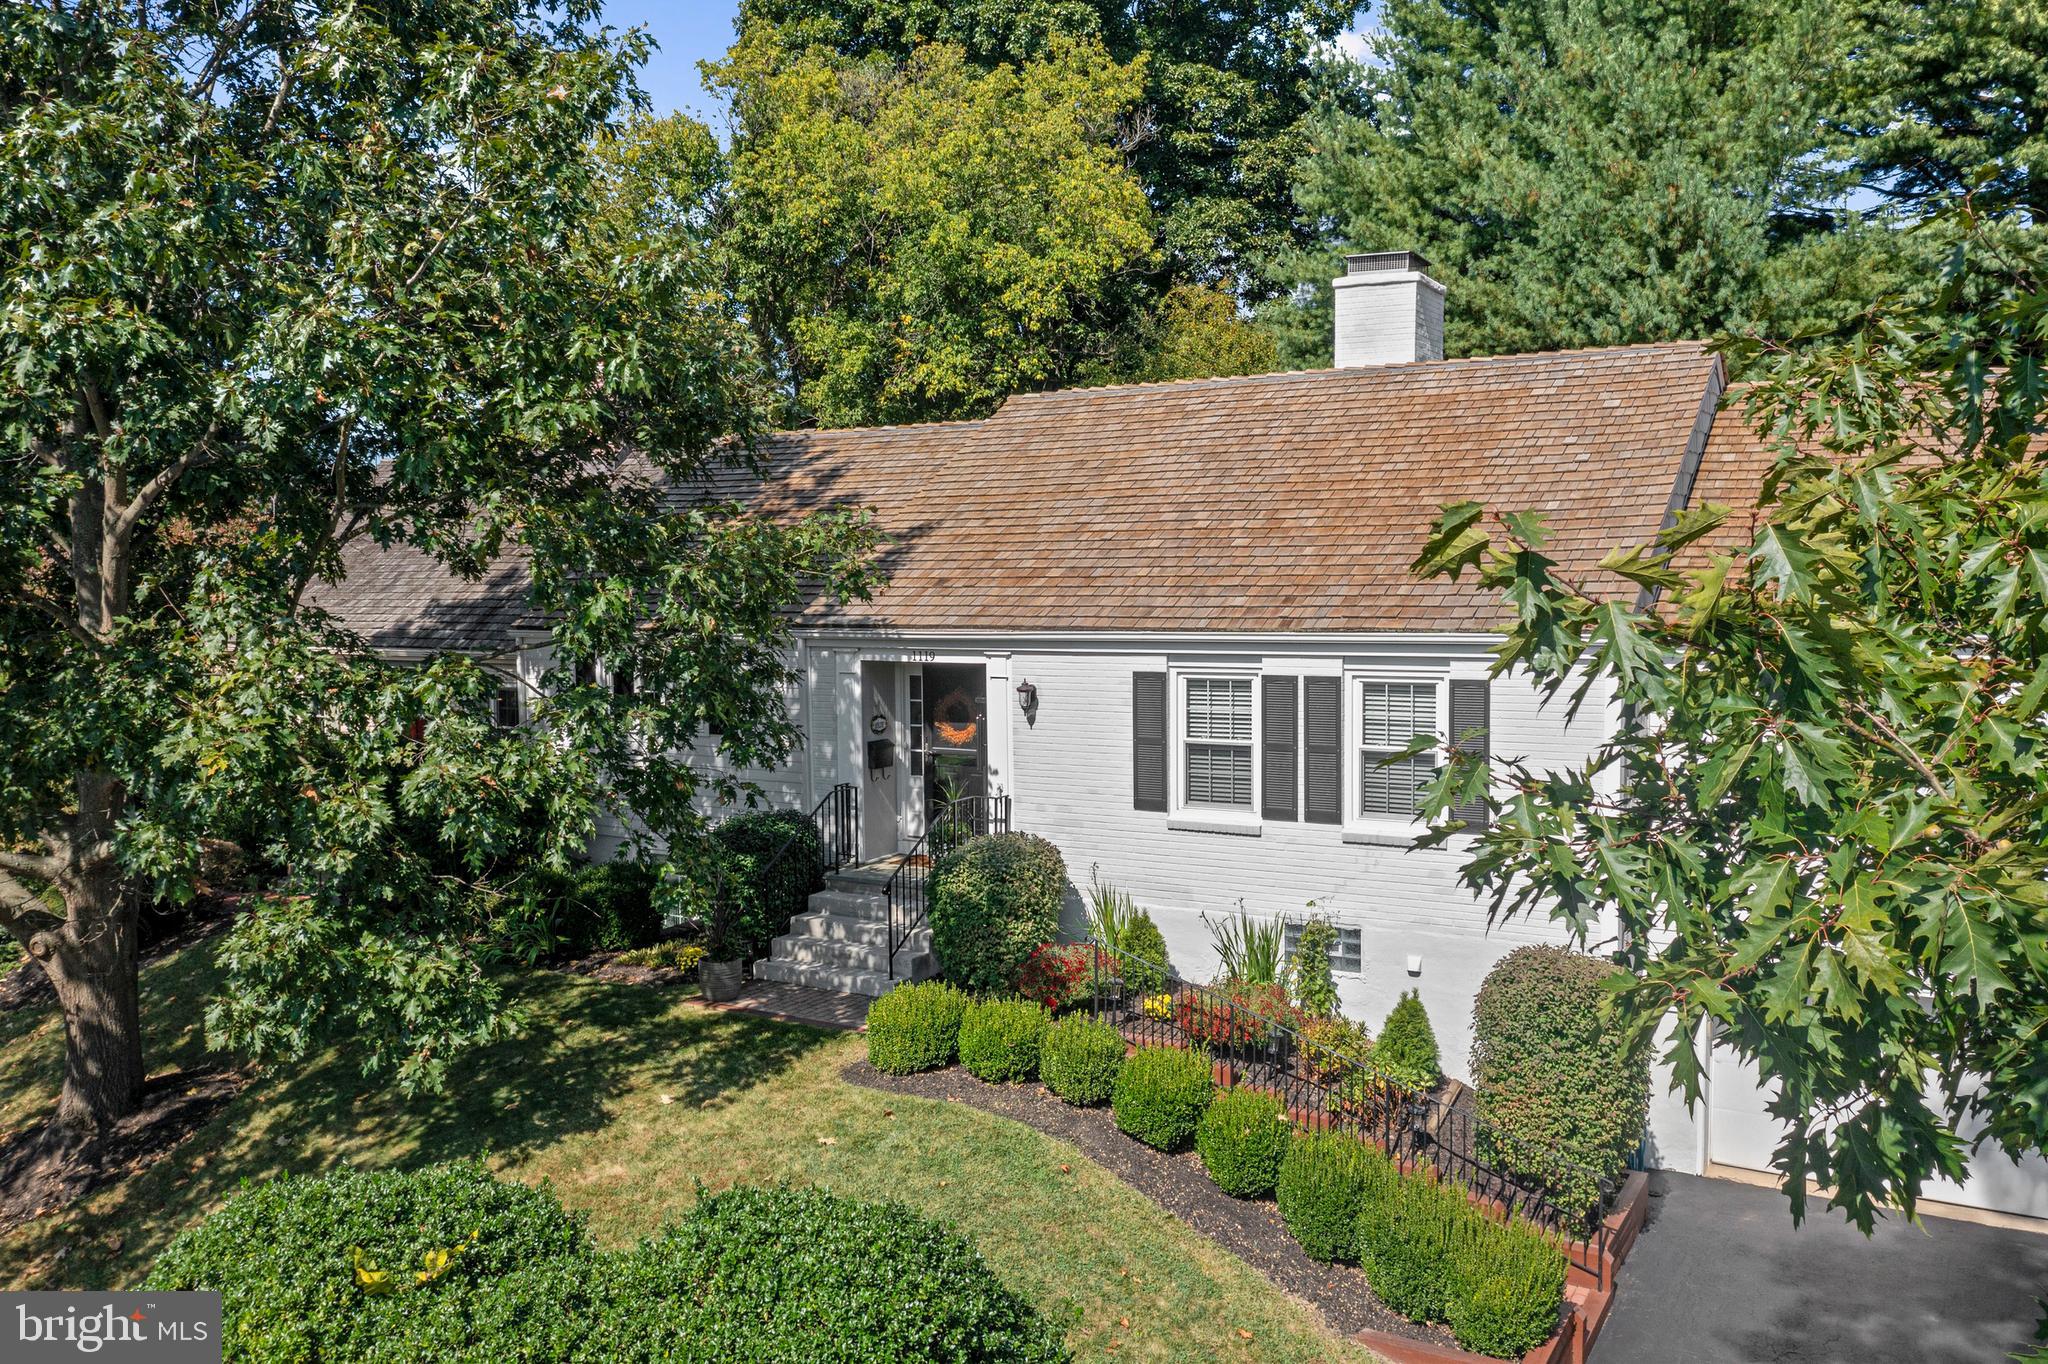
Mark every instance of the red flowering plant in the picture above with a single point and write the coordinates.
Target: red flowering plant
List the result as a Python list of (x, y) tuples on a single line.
[(1233, 1014), (1057, 975)]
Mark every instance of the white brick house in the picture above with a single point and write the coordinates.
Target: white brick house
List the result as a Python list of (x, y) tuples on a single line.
[(1202, 591)]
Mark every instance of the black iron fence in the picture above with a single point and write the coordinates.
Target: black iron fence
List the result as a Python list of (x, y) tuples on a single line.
[(1322, 1085), (951, 823)]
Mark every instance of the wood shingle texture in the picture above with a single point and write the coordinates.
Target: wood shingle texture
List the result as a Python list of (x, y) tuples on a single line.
[(1287, 502), (1282, 503)]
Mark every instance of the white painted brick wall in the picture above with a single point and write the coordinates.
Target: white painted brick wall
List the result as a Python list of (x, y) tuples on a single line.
[(1073, 786)]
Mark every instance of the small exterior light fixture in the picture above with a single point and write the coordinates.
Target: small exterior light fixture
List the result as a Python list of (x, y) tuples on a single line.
[(1415, 964), (1027, 697)]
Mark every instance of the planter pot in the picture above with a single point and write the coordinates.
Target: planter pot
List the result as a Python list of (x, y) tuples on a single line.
[(721, 980)]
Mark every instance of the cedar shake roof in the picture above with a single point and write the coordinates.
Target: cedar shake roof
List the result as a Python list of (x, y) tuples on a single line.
[(1283, 502), (401, 598)]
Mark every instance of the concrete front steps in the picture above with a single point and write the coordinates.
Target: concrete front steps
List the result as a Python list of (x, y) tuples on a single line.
[(842, 942)]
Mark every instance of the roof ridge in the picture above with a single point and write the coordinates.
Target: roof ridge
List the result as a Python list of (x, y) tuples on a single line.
[(886, 426), (1332, 371)]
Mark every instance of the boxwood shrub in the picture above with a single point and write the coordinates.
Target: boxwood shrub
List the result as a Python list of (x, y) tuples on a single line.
[(1557, 1088), (915, 1027), (1243, 1138), (1431, 1254), (993, 900), (1406, 1050), (1404, 1241), (1160, 1094), (791, 1276), (1506, 1290), (768, 890), (284, 1255), (779, 1275), (1000, 1038), (1324, 1180), (1080, 1058)]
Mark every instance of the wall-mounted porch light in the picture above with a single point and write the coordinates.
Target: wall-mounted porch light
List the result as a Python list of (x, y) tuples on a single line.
[(1027, 697)]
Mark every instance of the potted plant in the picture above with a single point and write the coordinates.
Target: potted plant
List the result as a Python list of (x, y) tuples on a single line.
[(723, 970)]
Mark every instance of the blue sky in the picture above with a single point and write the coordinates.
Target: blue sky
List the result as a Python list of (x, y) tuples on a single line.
[(690, 31)]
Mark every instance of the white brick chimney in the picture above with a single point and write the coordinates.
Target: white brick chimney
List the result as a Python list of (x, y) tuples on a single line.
[(1389, 311)]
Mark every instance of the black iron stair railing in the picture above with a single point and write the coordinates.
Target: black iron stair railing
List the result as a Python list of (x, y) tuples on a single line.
[(952, 823), (837, 817)]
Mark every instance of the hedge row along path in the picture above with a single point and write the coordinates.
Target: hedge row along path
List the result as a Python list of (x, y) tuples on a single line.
[(1250, 1229)]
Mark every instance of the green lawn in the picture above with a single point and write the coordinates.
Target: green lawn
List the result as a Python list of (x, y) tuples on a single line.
[(625, 1098)]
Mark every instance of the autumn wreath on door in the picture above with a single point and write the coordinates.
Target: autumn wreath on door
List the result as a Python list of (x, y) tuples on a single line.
[(954, 718)]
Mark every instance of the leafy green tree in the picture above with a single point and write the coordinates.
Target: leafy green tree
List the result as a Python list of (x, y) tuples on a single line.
[(1595, 172), (1196, 332), (274, 279), (918, 240), (1822, 821), (1940, 89), (1219, 128)]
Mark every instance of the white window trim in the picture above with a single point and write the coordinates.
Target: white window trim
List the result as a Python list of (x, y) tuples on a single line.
[(1359, 826), (1209, 818)]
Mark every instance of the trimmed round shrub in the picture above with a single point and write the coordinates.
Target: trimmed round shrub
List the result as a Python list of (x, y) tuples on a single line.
[(915, 1027), (1507, 1288), (1406, 1051), (450, 1265), (1324, 1180), (1563, 1095), (1243, 1138), (1080, 1058), (1160, 1094), (993, 900), (1404, 1242), (768, 890), (1000, 1038), (1145, 966), (331, 1267), (789, 1276)]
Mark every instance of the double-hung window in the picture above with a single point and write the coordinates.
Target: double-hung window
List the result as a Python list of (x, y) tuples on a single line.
[(1216, 736), (1390, 714)]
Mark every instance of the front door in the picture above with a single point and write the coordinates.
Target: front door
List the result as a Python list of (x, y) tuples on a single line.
[(955, 712)]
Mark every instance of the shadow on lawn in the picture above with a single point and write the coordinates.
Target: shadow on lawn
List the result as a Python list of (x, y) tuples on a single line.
[(584, 1048)]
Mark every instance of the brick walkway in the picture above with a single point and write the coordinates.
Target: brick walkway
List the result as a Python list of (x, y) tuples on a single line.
[(800, 1004)]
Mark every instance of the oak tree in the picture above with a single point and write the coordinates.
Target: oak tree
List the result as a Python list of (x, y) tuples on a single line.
[(278, 281)]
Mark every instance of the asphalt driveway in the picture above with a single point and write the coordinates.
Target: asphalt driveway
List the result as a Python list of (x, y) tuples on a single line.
[(1721, 1276)]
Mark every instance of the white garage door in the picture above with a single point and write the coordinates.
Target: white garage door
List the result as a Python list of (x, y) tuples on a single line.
[(1742, 1133)]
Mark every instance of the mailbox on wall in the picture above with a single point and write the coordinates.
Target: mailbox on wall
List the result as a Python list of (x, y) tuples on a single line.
[(881, 756)]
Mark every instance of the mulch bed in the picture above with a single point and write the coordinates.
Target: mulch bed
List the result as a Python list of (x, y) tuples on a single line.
[(1250, 1229), (41, 1174), (607, 967)]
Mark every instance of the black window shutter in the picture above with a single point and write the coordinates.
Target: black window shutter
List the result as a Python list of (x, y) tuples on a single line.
[(1471, 723), (1322, 750), (1148, 741), (1279, 750)]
